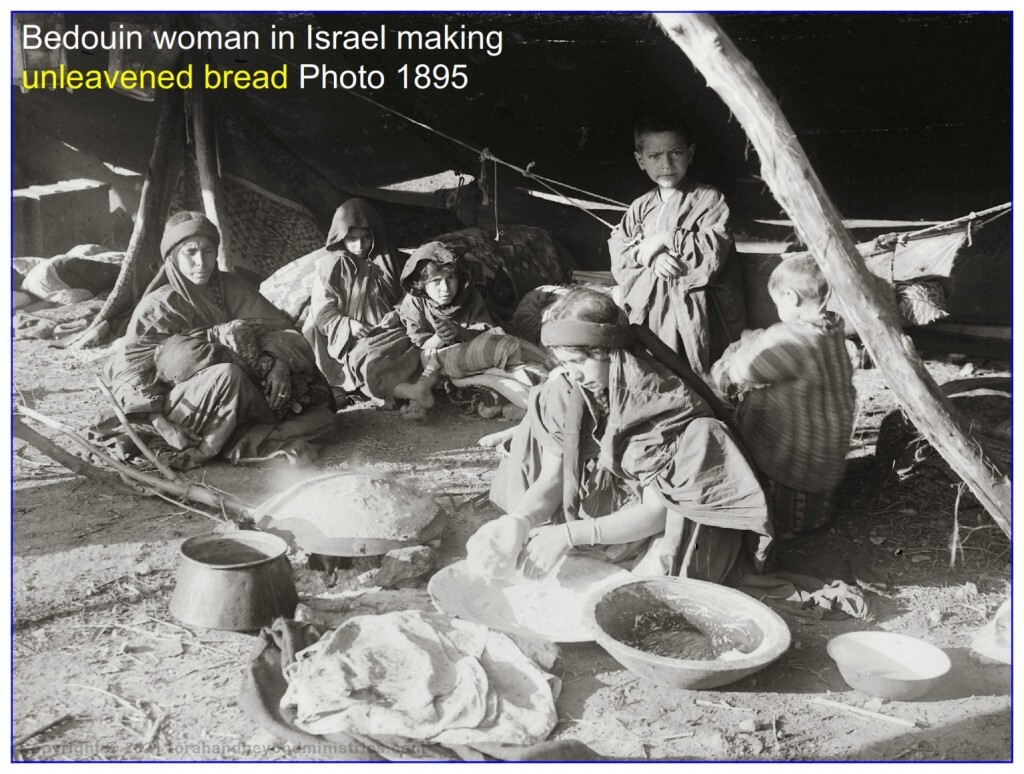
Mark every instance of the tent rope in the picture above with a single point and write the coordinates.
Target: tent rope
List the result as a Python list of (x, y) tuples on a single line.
[(486, 154), (975, 220)]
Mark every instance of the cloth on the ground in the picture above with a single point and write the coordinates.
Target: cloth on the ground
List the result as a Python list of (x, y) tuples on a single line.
[(56, 278), (55, 322), (698, 313), (347, 289), (20, 300), (422, 676), (796, 400), (264, 684), (804, 596), (992, 643), (21, 265)]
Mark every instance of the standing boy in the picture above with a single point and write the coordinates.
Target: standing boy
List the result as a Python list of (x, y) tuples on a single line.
[(670, 255)]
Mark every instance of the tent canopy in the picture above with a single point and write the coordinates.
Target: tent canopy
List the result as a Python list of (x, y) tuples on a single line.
[(903, 115)]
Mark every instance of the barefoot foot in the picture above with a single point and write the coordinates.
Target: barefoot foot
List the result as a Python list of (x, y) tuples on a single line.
[(414, 412), (420, 391)]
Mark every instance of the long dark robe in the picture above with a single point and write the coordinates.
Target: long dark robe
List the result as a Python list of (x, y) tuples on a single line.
[(220, 402), (348, 288)]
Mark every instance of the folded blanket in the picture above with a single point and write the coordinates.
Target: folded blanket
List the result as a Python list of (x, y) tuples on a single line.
[(421, 676)]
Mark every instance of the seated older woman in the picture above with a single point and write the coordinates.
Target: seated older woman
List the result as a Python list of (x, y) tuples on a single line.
[(208, 365)]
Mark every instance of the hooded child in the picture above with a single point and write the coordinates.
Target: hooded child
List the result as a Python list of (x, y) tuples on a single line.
[(355, 286), (447, 319)]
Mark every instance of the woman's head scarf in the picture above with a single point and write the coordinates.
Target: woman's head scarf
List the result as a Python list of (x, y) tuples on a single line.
[(206, 299)]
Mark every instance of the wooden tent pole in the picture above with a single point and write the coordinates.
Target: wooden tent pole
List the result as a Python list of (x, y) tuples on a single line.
[(142, 258), (789, 175), (205, 137)]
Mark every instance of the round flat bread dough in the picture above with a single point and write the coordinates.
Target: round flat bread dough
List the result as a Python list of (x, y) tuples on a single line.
[(552, 608)]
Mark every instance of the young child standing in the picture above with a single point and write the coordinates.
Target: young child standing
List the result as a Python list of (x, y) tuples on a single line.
[(448, 320), (670, 254), (797, 401)]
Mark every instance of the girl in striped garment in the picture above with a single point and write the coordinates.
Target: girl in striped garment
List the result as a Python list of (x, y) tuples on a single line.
[(794, 383)]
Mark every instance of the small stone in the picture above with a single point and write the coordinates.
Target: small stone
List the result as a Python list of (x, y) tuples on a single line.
[(935, 617), (746, 726), (142, 568), (406, 567), (263, 740), (918, 558), (877, 541), (967, 370), (967, 591), (366, 579)]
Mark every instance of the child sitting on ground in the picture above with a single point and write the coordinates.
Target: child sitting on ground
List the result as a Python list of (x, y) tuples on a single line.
[(447, 319), (355, 285), (796, 398), (670, 254)]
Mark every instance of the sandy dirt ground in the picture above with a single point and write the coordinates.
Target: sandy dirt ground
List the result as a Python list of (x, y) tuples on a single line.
[(95, 647)]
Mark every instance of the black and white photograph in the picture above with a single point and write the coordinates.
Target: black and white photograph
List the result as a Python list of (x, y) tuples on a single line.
[(463, 385)]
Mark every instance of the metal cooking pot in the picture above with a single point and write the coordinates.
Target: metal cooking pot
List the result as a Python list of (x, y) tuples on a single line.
[(238, 581)]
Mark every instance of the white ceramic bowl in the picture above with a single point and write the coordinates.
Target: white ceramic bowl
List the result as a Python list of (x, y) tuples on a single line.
[(888, 665)]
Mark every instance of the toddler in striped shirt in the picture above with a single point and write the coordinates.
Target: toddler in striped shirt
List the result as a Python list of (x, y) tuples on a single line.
[(794, 385)]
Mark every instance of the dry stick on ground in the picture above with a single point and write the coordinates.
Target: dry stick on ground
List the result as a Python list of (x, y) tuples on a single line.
[(869, 713), (167, 473), (65, 458), (184, 489), (114, 696), (36, 732), (788, 173), (218, 519)]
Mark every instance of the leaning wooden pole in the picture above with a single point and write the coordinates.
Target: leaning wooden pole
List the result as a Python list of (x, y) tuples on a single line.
[(136, 269), (788, 173), (204, 134)]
